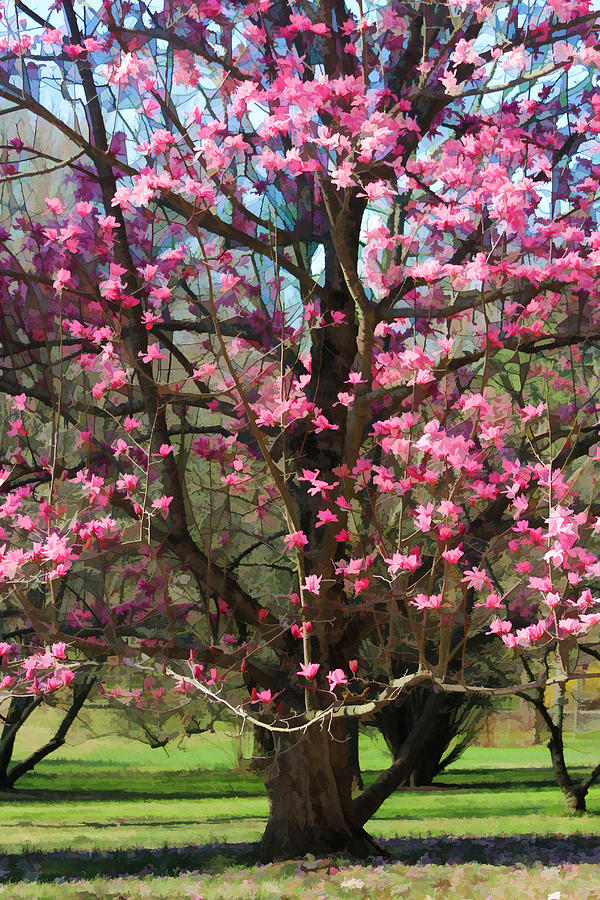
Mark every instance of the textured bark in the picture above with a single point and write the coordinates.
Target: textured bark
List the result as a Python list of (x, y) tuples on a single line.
[(353, 753), (576, 800), (574, 793), (19, 710), (309, 785)]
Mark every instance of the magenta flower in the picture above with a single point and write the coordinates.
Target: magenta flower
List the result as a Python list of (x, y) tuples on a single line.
[(312, 584), (335, 677), (308, 670), (296, 539)]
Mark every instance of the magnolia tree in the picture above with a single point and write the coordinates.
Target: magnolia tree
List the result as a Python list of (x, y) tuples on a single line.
[(300, 356)]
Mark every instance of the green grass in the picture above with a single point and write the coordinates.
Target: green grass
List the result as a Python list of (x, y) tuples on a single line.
[(110, 806)]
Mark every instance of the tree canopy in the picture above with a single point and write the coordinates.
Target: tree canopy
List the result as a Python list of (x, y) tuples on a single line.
[(299, 362)]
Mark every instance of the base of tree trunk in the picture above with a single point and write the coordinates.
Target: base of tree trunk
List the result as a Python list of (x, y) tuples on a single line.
[(276, 846), (576, 802), (309, 785)]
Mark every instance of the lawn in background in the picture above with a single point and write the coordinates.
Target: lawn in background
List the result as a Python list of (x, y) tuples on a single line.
[(112, 807)]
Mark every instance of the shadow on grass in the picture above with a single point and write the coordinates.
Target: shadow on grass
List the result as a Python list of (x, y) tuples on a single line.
[(201, 785), (501, 779), (523, 849), (24, 796)]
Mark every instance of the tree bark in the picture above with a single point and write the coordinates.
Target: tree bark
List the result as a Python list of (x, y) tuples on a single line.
[(353, 753), (309, 785), (19, 710), (574, 794)]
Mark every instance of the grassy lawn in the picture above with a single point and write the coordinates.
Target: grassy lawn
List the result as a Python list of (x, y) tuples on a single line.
[(109, 807)]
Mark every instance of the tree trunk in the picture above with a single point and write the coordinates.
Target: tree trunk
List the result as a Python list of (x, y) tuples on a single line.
[(576, 800), (19, 710), (9, 776), (575, 794), (353, 752), (309, 784)]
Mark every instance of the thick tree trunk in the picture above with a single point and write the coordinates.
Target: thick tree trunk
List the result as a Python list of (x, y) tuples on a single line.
[(309, 784)]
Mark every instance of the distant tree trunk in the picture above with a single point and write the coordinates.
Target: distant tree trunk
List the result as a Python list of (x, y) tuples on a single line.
[(575, 794), (19, 711), (263, 746), (458, 719), (353, 752)]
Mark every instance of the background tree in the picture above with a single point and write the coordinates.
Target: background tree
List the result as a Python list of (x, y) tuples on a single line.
[(17, 712), (551, 709), (458, 722)]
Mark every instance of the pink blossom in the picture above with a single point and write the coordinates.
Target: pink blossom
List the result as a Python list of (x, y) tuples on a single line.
[(342, 176), (153, 352), (119, 447), (57, 549), (422, 601), (571, 626), (61, 279), (324, 517), (492, 601), (164, 450), (499, 626), (475, 578), (308, 670), (263, 696), (128, 483), (403, 562), (453, 556), (552, 599), (59, 650), (54, 205), (312, 584), (532, 412), (323, 424), (296, 539), (162, 504), (335, 677)]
